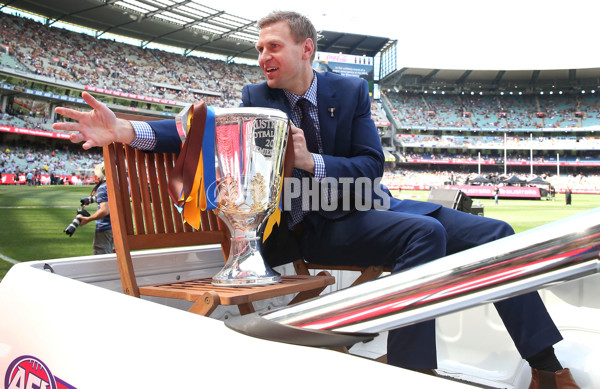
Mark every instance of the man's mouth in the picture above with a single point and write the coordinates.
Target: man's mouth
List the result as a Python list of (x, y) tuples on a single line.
[(270, 69)]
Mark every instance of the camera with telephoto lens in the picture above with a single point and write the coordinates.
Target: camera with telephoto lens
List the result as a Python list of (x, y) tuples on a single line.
[(87, 200), (70, 230)]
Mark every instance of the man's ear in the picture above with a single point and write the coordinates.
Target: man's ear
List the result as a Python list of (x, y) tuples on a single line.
[(309, 48)]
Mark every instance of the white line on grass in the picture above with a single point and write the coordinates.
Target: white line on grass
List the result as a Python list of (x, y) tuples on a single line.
[(8, 259)]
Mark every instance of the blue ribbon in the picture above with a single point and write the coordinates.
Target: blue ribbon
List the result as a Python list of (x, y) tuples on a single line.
[(208, 153)]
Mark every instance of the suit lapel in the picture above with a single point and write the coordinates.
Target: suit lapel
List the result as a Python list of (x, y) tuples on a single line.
[(276, 99), (327, 101)]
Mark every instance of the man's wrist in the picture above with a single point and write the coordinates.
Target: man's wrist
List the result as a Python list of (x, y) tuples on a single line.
[(125, 131)]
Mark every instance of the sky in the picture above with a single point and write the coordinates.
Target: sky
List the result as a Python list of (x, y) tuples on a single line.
[(458, 34)]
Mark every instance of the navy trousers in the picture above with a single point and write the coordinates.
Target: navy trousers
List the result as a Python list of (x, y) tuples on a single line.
[(401, 239)]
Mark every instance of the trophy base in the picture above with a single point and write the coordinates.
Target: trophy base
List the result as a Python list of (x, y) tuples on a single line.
[(243, 280), (247, 268)]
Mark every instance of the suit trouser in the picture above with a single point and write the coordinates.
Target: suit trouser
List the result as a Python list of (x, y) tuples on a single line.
[(403, 240)]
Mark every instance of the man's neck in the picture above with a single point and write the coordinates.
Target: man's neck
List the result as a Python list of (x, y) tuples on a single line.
[(307, 79)]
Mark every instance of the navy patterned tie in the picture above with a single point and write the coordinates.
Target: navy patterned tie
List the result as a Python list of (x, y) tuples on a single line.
[(307, 124)]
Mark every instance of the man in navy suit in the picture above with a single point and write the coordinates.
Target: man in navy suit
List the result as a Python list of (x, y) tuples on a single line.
[(343, 142)]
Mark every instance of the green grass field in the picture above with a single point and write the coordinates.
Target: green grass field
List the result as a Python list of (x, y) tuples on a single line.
[(525, 214), (33, 219)]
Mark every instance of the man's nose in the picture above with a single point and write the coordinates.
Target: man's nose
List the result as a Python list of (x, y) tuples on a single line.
[(265, 55)]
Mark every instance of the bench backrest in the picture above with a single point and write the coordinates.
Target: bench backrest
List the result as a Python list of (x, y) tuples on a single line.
[(142, 213)]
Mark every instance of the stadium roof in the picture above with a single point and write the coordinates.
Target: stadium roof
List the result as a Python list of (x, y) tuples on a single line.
[(419, 79), (352, 44), (187, 24), (180, 23)]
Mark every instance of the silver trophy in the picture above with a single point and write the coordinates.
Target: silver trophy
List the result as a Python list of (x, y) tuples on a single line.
[(250, 149)]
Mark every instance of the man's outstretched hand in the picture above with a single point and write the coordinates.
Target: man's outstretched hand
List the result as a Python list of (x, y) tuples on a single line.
[(98, 127)]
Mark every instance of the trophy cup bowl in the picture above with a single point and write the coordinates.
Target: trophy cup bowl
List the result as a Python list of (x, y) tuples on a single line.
[(250, 149)]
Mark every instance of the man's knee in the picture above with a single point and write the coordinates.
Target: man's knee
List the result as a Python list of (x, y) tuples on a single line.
[(503, 229), (434, 232), (426, 242)]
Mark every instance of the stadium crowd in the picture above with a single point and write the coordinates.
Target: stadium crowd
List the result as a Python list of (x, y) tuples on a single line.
[(397, 178), (59, 55), (33, 160), (559, 142), (530, 112), (67, 56), (37, 159), (79, 58), (497, 157)]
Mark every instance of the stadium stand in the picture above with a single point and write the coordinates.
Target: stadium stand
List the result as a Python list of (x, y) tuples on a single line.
[(430, 132), (18, 159), (424, 179), (491, 112)]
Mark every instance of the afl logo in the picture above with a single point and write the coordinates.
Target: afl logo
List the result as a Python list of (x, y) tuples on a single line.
[(28, 372)]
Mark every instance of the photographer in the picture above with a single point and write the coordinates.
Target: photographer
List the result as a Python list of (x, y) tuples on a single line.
[(103, 238)]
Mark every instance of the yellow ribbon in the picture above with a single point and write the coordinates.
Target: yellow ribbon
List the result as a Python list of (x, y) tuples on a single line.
[(275, 217), (196, 201)]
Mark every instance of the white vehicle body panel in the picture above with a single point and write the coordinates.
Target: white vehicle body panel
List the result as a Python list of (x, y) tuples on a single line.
[(70, 315)]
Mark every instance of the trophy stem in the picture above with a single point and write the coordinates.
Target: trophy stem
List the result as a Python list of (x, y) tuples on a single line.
[(245, 266)]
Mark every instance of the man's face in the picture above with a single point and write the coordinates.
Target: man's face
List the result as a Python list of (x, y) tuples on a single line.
[(281, 59)]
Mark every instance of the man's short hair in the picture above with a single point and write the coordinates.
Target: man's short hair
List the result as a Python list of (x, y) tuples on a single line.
[(300, 26)]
